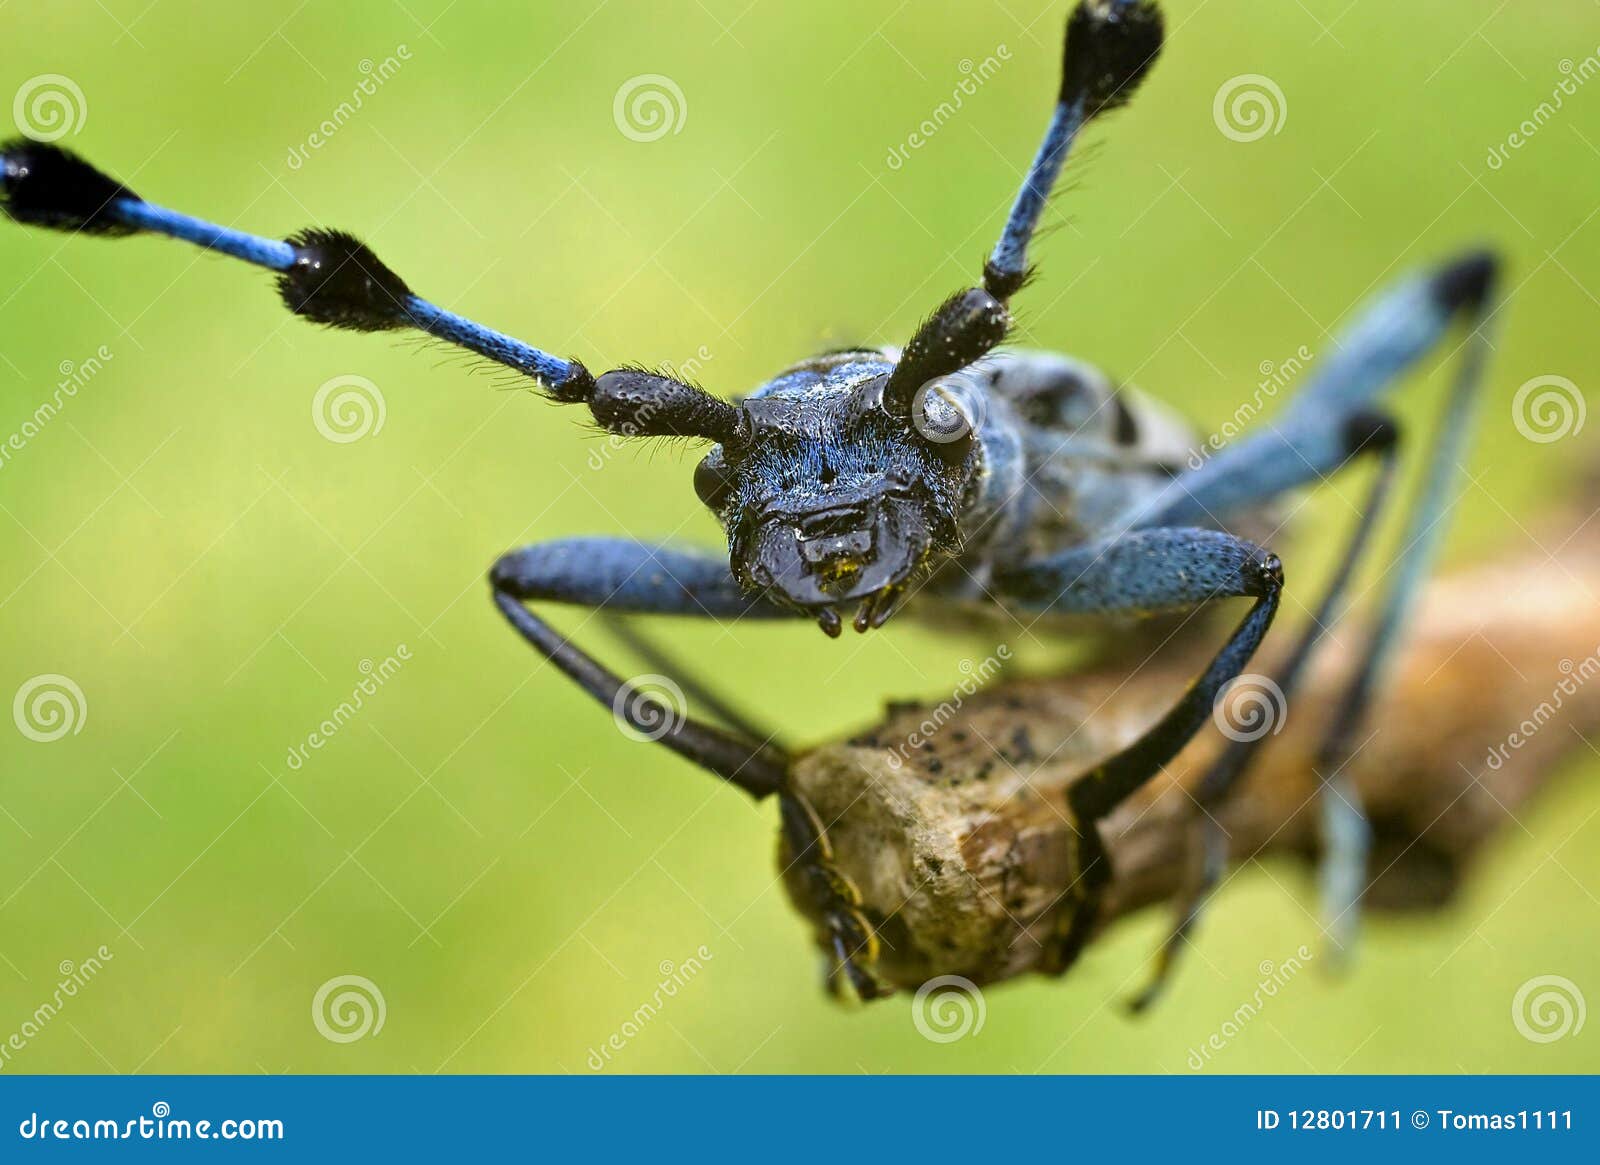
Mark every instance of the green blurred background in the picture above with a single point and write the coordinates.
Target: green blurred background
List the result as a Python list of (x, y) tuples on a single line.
[(480, 842)]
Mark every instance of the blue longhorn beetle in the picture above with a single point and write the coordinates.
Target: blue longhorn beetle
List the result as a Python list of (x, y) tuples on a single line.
[(941, 478)]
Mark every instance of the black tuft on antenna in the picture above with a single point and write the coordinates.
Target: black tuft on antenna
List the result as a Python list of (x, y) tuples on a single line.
[(1110, 46), (45, 186), (336, 280)]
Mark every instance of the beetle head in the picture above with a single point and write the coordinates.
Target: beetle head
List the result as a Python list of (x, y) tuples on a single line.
[(842, 481), (840, 494)]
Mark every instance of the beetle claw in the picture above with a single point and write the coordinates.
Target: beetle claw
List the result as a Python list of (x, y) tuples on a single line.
[(888, 604), (863, 983)]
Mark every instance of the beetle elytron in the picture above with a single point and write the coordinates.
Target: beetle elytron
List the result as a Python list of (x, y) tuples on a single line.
[(943, 478)]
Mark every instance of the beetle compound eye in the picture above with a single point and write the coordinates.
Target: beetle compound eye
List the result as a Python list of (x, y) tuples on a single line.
[(714, 481)]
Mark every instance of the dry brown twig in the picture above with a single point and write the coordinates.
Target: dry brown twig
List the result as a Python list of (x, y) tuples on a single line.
[(962, 851)]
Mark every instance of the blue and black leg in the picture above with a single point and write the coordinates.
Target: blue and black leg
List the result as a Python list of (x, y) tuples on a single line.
[(1144, 572), (624, 577), (1335, 420), (658, 659), (1367, 435)]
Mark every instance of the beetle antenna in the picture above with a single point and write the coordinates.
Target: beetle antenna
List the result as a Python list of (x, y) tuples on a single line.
[(958, 333), (1109, 47), (332, 278), (327, 276)]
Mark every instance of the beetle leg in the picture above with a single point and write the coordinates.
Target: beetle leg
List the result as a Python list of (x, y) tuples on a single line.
[(621, 575), (850, 941), (1308, 441), (1345, 832), (653, 656), (1091, 874), (1145, 572), (1312, 440), (1375, 435), (625, 577)]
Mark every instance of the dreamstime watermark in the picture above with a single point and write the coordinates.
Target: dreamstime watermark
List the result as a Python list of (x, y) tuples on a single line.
[(73, 377), (374, 676), (1274, 377), (974, 74), (348, 408), (1274, 977), (1549, 408), (48, 707), (348, 1008), (649, 707), (648, 107), (975, 675), (1249, 707), (640, 419), (674, 977), (375, 74), (1249, 107), (948, 409), (1574, 676), (48, 107), (74, 977), (160, 1125), (948, 1008), (1547, 1008), (1574, 77)]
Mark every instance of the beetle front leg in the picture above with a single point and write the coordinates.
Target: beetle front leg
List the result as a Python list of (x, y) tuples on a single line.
[(624, 576), (620, 576), (655, 657), (849, 939), (1145, 572)]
